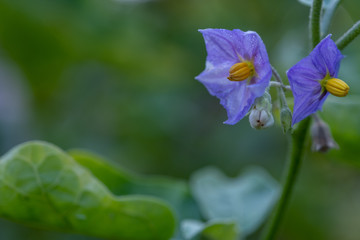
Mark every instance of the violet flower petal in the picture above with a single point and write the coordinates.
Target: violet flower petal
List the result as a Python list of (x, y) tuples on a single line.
[(225, 48), (215, 82), (237, 103), (326, 57), (220, 46), (305, 77)]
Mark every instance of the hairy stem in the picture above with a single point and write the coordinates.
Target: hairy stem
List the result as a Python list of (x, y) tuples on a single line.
[(279, 85), (314, 27), (293, 165), (350, 35), (280, 81), (276, 75), (298, 139)]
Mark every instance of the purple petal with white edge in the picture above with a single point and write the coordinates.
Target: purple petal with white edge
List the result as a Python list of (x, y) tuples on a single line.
[(215, 80), (249, 45), (258, 85), (326, 56), (255, 49), (220, 46), (237, 103), (305, 77), (225, 48)]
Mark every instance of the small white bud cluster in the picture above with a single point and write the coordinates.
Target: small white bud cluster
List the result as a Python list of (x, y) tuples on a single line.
[(260, 114)]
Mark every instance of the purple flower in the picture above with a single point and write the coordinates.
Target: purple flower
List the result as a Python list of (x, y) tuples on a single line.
[(314, 77), (237, 69)]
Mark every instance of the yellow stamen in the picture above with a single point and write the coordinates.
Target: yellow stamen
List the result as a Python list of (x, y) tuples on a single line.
[(337, 87), (240, 71)]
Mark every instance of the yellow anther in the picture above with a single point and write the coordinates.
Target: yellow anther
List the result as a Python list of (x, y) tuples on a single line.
[(337, 87), (240, 71)]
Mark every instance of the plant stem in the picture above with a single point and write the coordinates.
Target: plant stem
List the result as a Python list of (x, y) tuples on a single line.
[(315, 13), (298, 139), (276, 75), (279, 80), (279, 85), (297, 151), (285, 112), (350, 35)]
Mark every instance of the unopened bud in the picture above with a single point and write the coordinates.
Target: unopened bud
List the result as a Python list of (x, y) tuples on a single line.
[(285, 118), (322, 141), (260, 115), (260, 118), (263, 102)]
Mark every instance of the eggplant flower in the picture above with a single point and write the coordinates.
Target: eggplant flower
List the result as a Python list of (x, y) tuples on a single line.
[(237, 69), (314, 77)]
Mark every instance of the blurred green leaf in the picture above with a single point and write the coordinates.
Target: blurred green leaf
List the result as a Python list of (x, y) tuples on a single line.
[(220, 231), (121, 182), (191, 228), (213, 230), (42, 186), (117, 180), (342, 115), (246, 199)]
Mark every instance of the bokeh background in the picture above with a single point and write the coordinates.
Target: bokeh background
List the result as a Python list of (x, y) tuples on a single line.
[(117, 77)]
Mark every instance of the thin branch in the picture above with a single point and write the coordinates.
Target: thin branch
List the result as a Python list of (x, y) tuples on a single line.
[(350, 35)]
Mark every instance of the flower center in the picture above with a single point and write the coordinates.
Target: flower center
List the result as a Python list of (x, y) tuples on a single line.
[(335, 86), (241, 71)]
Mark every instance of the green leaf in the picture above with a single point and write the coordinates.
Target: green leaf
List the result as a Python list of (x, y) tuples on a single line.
[(220, 231), (246, 199), (213, 230), (42, 186), (121, 182)]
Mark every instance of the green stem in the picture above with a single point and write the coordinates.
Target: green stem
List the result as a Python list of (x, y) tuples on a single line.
[(297, 151), (350, 35), (280, 91), (279, 85), (298, 140), (315, 13)]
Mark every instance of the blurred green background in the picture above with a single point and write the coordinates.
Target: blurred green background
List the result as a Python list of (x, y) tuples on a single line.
[(117, 77)]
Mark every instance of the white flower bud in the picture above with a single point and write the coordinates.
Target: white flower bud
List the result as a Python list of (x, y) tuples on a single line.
[(260, 114), (260, 118)]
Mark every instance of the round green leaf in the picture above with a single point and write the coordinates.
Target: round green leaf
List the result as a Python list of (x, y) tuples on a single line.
[(42, 186)]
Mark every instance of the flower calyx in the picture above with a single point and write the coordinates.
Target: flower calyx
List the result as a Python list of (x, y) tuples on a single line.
[(241, 71), (285, 119)]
